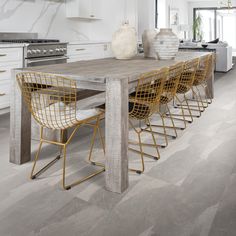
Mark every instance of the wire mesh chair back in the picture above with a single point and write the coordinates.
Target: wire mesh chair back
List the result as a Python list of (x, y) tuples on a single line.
[(187, 76), (51, 99), (147, 95), (171, 84), (202, 70)]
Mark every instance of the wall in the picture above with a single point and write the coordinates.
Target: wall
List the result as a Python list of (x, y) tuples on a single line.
[(146, 15), (47, 17), (164, 7)]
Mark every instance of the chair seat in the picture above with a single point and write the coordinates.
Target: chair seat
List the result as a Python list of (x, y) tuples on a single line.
[(67, 118), (82, 115)]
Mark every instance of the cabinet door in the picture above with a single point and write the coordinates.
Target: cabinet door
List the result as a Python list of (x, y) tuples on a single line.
[(78, 8), (4, 94), (96, 9), (85, 8)]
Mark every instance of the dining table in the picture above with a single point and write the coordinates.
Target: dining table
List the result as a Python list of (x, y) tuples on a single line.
[(116, 78)]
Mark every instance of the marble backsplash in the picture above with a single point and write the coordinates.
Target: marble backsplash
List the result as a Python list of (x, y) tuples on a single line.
[(48, 19)]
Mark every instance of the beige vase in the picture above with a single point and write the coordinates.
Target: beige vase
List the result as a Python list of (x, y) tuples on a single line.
[(166, 44), (148, 37), (124, 42)]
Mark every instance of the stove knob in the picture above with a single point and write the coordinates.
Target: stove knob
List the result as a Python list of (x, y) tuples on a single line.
[(58, 50), (38, 51), (29, 51), (51, 50), (64, 49), (34, 51), (44, 51), (61, 49)]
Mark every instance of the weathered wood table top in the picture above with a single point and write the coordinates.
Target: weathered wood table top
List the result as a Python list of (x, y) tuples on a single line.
[(114, 77), (100, 69)]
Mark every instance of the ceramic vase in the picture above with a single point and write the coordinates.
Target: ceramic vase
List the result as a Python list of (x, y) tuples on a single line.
[(124, 42), (166, 44), (148, 37)]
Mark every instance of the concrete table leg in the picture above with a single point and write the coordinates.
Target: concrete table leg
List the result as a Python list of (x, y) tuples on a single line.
[(210, 81), (117, 135), (20, 126)]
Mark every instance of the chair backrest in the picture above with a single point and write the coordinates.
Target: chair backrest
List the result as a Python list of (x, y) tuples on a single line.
[(148, 92), (51, 99), (202, 70), (171, 84), (188, 74)]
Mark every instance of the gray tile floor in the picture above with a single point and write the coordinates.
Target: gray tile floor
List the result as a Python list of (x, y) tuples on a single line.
[(190, 191)]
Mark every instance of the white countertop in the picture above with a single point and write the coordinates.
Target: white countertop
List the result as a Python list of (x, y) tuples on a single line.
[(12, 45), (88, 42), (21, 45)]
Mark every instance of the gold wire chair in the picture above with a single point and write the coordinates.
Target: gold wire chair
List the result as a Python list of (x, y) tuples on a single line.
[(168, 94), (142, 105), (184, 86), (52, 101), (203, 73)]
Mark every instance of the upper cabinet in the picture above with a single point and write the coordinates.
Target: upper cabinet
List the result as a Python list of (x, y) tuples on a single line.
[(84, 9)]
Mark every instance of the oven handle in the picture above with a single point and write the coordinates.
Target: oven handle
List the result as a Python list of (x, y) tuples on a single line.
[(47, 59)]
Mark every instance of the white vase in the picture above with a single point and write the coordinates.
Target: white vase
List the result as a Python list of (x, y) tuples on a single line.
[(124, 42), (147, 40), (166, 44)]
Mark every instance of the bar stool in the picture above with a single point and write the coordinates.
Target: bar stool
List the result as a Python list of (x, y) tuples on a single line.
[(52, 102), (142, 105), (168, 94)]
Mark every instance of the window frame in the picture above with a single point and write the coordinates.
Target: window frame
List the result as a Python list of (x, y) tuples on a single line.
[(215, 9)]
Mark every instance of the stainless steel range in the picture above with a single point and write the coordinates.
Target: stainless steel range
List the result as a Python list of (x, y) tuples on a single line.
[(38, 51), (45, 53)]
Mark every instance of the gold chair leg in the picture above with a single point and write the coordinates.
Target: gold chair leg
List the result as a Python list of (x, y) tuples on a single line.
[(64, 185), (95, 129), (183, 115), (141, 156), (189, 110), (199, 100), (172, 121), (140, 152), (154, 140), (164, 130), (164, 133), (47, 166)]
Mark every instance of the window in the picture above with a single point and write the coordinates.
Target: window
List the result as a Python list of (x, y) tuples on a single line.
[(156, 13), (216, 23)]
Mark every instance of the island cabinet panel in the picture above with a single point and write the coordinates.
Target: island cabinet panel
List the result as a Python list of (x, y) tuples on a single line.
[(10, 58), (79, 52)]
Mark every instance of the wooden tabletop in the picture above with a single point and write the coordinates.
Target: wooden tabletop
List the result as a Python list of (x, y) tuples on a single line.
[(100, 69)]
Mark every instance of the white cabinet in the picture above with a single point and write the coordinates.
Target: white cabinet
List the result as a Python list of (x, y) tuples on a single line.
[(10, 58), (78, 52), (84, 9)]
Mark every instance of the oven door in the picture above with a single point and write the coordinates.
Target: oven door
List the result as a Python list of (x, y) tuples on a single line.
[(45, 61)]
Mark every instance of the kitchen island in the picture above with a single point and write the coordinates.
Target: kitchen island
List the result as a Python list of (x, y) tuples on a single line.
[(116, 78)]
